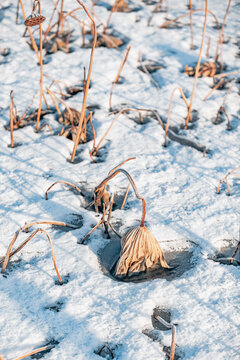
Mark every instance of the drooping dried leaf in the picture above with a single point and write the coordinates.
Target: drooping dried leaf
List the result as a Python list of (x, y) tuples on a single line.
[(65, 118), (108, 41), (121, 6), (140, 252), (208, 69)]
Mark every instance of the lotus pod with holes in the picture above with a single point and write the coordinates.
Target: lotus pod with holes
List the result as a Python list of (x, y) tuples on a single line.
[(33, 20), (140, 252)]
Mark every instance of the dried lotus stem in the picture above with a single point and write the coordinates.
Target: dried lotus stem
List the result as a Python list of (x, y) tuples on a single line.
[(9, 253), (61, 182), (111, 176), (169, 326), (124, 59), (169, 110), (26, 227), (110, 172), (101, 221), (197, 67), (95, 150), (125, 197), (36, 351), (11, 118), (34, 45), (54, 101), (225, 180), (41, 19), (83, 111), (187, 14), (191, 25), (220, 38)]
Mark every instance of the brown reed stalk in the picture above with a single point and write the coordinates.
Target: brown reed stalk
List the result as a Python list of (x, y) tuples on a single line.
[(83, 111), (226, 74), (220, 38), (34, 45), (110, 15), (36, 351), (41, 68), (99, 190), (221, 82), (225, 180), (125, 197), (10, 254), (124, 59), (191, 25), (59, 25), (169, 110), (95, 150), (26, 227), (11, 118), (101, 221), (61, 182), (208, 47), (222, 107), (187, 14), (64, 103), (169, 326), (51, 19), (197, 67)]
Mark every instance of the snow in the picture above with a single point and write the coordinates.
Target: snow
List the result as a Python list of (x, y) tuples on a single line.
[(179, 185)]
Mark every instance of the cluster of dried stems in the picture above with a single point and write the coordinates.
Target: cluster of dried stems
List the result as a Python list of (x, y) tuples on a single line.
[(9, 254), (225, 180)]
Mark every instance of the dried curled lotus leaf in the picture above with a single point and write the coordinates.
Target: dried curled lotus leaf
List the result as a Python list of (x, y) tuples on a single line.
[(65, 118), (108, 41), (208, 69), (140, 252), (122, 6)]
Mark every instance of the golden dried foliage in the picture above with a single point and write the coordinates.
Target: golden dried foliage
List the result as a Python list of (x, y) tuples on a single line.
[(140, 252)]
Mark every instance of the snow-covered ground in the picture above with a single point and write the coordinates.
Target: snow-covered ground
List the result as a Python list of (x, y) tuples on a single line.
[(178, 183)]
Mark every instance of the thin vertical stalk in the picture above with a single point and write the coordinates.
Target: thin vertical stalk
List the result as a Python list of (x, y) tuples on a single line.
[(11, 118), (87, 84), (197, 67), (169, 110), (124, 59), (220, 38), (41, 71), (191, 25), (34, 45)]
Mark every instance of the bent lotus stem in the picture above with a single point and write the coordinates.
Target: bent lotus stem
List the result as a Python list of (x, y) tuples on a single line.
[(34, 45), (169, 326), (44, 348), (9, 253), (187, 14), (27, 226), (111, 176), (169, 110), (197, 67), (220, 38), (95, 150), (83, 111), (225, 180), (61, 182)]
